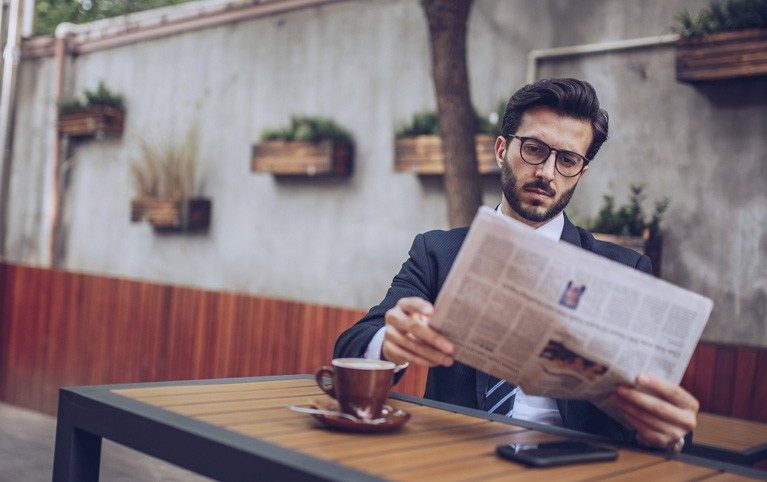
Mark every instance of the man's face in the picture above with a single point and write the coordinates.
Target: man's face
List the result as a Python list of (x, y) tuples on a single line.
[(536, 194)]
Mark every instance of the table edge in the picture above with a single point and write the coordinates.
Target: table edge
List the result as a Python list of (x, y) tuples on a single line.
[(103, 394)]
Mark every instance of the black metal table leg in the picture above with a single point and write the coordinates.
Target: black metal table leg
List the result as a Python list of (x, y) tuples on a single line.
[(77, 455)]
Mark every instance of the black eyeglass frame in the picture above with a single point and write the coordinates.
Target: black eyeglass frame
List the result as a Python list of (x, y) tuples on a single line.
[(546, 158)]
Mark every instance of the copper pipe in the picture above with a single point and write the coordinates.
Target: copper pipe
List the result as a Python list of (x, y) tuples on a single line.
[(110, 33)]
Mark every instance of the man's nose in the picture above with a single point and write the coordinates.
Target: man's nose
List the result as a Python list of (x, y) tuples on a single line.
[(547, 169)]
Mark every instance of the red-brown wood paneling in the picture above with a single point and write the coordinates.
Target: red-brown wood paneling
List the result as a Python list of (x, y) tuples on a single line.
[(724, 379), (60, 329), (745, 380)]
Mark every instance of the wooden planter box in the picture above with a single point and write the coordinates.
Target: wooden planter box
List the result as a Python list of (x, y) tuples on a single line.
[(726, 55), (97, 121), (651, 246), (172, 215), (423, 155), (323, 158)]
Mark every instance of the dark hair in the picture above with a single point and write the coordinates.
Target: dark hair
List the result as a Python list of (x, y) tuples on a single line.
[(570, 97)]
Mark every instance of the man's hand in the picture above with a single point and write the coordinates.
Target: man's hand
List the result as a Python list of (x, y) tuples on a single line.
[(661, 412), (409, 338)]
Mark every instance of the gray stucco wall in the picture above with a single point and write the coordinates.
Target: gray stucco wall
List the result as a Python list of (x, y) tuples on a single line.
[(367, 65)]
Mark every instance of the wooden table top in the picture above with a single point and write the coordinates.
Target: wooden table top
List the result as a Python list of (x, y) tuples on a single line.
[(730, 433), (435, 444)]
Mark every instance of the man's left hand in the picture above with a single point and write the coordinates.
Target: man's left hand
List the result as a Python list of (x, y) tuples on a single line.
[(662, 413)]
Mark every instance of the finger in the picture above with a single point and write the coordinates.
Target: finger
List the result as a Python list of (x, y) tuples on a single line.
[(405, 341), (413, 304), (427, 334), (657, 407), (672, 392), (408, 316), (673, 430), (399, 355), (646, 435)]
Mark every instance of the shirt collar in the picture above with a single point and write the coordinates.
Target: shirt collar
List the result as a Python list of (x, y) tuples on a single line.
[(551, 229)]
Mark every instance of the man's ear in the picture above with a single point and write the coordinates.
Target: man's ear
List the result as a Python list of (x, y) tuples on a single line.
[(500, 150)]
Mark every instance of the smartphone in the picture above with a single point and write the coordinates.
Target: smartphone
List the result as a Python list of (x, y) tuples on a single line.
[(548, 454)]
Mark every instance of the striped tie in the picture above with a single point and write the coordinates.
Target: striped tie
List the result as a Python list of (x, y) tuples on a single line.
[(499, 397)]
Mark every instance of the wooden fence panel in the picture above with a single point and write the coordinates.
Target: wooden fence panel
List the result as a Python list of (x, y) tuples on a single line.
[(60, 329), (745, 380)]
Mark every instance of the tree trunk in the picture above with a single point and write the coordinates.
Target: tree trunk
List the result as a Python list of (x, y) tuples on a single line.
[(447, 32)]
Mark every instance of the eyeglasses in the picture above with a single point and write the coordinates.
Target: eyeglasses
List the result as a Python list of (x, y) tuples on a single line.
[(535, 152)]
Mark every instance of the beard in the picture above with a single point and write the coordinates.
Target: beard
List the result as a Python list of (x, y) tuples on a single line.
[(510, 192)]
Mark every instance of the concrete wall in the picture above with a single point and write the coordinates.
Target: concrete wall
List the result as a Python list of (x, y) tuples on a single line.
[(366, 64)]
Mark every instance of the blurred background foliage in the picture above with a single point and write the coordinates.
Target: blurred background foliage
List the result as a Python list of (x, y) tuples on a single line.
[(50, 13), (723, 16)]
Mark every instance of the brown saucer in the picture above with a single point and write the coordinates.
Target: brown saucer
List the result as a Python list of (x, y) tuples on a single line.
[(391, 418)]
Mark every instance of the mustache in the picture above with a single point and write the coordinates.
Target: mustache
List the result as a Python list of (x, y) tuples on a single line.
[(540, 184)]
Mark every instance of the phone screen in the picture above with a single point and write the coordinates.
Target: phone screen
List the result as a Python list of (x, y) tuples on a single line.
[(555, 453)]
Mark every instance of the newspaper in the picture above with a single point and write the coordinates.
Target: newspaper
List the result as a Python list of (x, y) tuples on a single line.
[(560, 321)]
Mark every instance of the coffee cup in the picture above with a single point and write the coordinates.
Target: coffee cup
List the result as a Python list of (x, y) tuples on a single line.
[(361, 386)]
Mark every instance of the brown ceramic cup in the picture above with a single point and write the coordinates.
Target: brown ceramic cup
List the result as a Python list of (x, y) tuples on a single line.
[(361, 386)]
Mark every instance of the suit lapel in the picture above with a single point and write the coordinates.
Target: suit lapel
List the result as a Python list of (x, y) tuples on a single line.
[(570, 233)]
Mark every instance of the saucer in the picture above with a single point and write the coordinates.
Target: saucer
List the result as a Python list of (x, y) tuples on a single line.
[(390, 419)]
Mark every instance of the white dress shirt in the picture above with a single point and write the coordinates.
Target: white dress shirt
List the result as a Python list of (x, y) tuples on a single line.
[(526, 407)]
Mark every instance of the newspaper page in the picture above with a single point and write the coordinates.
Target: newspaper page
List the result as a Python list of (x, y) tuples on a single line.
[(560, 321)]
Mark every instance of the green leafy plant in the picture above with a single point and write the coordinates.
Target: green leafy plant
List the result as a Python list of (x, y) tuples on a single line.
[(307, 129), (629, 219), (67, 105), (50, 13), (722, 16), (166, 171), (426, 123), (101, 95)]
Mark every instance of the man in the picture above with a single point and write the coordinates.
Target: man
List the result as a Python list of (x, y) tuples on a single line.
[(551, 130)]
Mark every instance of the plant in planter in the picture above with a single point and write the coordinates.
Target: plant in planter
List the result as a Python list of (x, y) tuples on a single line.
[(727, 40), (102, 114), (418, 147), (164, 179), (308, 146), (627, 225)]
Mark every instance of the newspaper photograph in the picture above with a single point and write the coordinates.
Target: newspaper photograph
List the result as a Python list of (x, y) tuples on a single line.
[(561, 321)]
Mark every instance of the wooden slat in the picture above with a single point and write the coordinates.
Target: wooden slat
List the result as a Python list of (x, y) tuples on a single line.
[(745, 373), (727, 477), (729, 433), (347, 446), (627, 463), (759, 409), (688, 379), (6, 273), (164, 391), (481, 468), (724, 378), (704, 375), (391, 462), (669, 470), (205, 397)]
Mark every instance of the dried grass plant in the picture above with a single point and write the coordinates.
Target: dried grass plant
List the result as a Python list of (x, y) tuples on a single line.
[(167, 171)]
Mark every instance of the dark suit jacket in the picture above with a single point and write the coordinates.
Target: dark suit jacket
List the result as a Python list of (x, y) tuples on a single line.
[(423, 274)]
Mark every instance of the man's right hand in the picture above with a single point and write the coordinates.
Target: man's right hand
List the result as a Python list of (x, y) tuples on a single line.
[(408, 337)]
